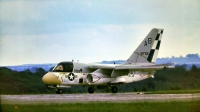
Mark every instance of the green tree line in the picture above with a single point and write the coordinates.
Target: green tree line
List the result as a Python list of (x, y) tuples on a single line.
[(26, 82)]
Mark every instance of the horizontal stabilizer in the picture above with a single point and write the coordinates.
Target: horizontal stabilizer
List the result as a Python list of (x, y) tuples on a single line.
[(141, 68)]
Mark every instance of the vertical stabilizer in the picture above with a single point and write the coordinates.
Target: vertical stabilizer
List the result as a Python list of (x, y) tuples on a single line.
[(147, 51)]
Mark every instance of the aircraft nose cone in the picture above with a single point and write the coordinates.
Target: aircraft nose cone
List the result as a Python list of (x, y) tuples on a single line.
[(51, 79)]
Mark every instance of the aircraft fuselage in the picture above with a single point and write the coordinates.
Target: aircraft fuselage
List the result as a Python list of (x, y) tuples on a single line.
[(81, 74)]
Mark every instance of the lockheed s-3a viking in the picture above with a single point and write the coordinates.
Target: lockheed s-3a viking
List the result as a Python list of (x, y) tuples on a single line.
[(139, 66)]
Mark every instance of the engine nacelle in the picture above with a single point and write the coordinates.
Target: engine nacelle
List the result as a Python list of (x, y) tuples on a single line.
[(92, 78), (98, 78)]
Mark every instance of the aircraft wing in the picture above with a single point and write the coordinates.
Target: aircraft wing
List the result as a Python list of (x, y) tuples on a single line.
[(102, 66), (132, 67)]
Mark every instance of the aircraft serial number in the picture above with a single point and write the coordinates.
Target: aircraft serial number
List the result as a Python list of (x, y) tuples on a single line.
[(144, 53)]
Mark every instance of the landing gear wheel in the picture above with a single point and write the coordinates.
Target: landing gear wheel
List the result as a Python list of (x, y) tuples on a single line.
[(90, 90), (59, 91), (114, 89)]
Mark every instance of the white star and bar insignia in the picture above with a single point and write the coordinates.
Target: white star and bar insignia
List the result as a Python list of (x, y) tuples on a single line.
[(71, 76)]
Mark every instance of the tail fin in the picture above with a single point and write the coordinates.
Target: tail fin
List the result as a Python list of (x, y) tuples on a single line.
[(147, 51)]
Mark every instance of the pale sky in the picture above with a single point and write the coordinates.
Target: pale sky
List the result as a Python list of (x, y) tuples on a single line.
[(50, 31)]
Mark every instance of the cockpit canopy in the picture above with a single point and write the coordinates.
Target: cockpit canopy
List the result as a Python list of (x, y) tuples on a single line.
[(64, 67)]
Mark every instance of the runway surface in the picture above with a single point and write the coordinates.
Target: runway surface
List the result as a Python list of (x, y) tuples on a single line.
[(96, 97)]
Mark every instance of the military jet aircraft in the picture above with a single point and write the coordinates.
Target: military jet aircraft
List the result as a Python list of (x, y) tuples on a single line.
[(139, 66)]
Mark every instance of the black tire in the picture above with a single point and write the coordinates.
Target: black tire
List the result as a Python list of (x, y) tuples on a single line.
[(90, 90), (114, 89), (59, 91)]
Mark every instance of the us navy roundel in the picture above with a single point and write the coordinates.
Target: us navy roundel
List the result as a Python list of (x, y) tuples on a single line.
[(71, 76)]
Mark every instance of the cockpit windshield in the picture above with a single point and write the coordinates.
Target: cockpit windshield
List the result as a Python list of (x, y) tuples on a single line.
[(64, 67)]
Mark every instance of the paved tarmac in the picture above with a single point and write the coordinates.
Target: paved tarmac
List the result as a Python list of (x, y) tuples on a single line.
[(96, 97)]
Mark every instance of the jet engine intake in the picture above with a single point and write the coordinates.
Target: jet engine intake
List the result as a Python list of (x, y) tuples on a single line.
[(91, 78), (97, 78)]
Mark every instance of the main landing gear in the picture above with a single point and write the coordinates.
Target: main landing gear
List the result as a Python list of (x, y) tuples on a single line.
[(91, 90), (59, 91), (113, 89)]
